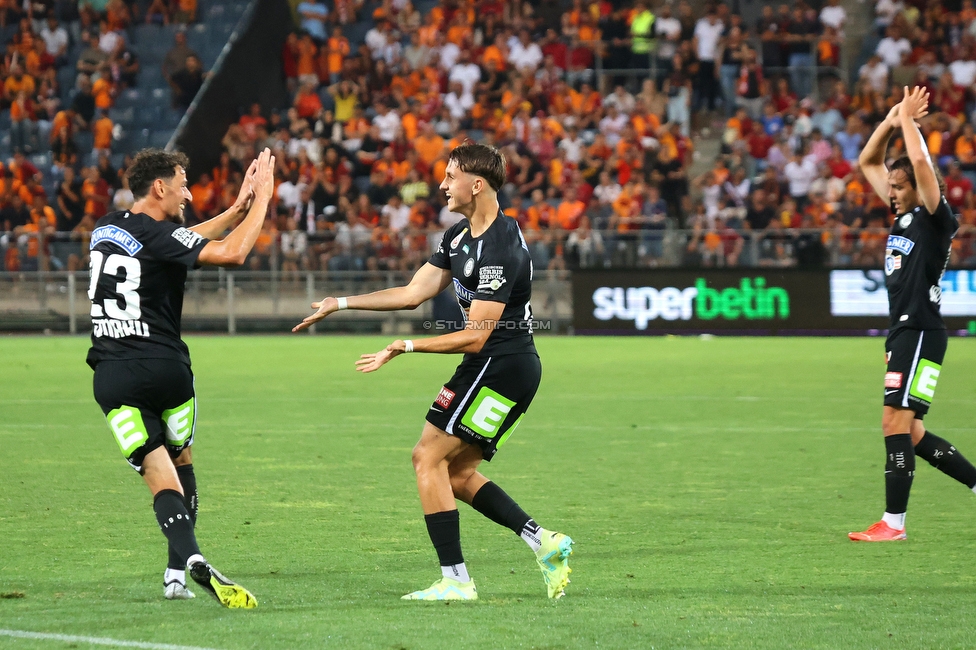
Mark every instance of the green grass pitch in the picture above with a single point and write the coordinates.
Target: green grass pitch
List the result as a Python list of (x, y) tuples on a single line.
[(709, 485)]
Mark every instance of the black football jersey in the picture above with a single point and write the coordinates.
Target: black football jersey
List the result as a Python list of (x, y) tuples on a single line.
[(138, 273), (915, 258), (495, 266)]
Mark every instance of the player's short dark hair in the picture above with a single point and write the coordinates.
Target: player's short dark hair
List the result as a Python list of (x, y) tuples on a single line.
[(481, 160), (905, 164), (150, 164)]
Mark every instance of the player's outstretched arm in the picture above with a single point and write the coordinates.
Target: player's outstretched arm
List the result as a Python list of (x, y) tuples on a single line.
[(917, 100), (426, 283), (214, 228), (483, 317), (872, 158), (234, 248)]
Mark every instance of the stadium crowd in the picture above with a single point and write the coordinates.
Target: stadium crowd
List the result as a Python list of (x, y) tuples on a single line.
[(596, 105)]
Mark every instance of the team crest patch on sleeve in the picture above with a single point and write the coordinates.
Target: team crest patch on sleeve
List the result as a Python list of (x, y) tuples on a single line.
[(491, 277), (893, 379), (117, 236), (445, 397), (186, 237), (457, 240)]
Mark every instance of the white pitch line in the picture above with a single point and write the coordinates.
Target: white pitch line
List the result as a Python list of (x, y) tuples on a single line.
[(93, 640)]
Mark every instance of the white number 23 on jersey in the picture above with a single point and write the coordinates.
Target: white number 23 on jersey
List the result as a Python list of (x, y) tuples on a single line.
[(126, 307)]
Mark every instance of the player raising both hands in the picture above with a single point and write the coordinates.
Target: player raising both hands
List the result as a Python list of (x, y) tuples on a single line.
[(915, 257)]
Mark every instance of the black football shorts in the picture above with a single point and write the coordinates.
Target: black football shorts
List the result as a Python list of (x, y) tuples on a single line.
[(148, 403), (486, 398), (914, 362)]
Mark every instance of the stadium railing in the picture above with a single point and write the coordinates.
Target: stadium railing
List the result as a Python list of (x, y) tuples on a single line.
[(25, 253), (266, 301)]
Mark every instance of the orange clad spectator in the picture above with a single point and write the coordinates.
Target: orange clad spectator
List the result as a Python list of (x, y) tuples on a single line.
[(438, 169), (102, 130), (102, 90), (186, 12), (429, 145), (204, 196), (307, 51), (540, 215), (95, 192), (497, 52), (459, 32), (17, 82), (251, 121), (337, 49), (427, 34), (307, 101), (410, 124), (569, 212)]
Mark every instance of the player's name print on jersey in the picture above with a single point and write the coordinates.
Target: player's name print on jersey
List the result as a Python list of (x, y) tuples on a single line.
[(115, 235), (118, 329)]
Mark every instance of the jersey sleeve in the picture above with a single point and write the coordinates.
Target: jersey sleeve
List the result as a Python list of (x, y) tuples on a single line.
[(944, 217), (169, 242), (440, 258), (497, 271)]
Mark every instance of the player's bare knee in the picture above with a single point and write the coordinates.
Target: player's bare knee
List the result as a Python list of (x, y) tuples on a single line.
[(895, 421), (460, 478)]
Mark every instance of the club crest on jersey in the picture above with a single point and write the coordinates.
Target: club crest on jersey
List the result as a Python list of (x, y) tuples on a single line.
[(457, 240), (903, 245), (892, 264), (117, 236), (468, 268), (905, 221)]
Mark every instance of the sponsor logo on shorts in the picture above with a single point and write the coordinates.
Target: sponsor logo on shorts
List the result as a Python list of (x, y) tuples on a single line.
[(445, 397), (893, 379), (926, 377)]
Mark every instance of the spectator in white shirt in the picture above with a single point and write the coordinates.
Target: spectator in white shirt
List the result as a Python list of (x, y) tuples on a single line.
[(612, 125), (55, 41), (800, 173), (525, 55), (875, 72), (398, 213), (620, 98), (448, 53), (467, 74), (833, 15), (963, 70), (457, 101), (573, 145), (388, 122), (893, 48), (377, 38)]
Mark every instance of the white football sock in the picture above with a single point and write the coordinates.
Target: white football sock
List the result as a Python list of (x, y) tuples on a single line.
[(458, 572), (193, 559), (174, 574), (532, 535), (894, 521)]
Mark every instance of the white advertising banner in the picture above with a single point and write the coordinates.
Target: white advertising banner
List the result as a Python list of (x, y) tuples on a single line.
[(862, 293)]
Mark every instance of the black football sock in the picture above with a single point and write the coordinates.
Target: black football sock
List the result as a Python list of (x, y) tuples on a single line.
[(899, 472), (175, 522), (944, 457), (444, 529), (189, 482), (494, 503)]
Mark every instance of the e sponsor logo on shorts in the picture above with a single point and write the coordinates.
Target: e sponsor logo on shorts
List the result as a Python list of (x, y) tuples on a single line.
[(926, 377), (487, 413)]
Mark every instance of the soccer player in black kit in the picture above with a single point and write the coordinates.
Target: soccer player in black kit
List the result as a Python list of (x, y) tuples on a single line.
[(916, 256), (143, 382), (487, 259)]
